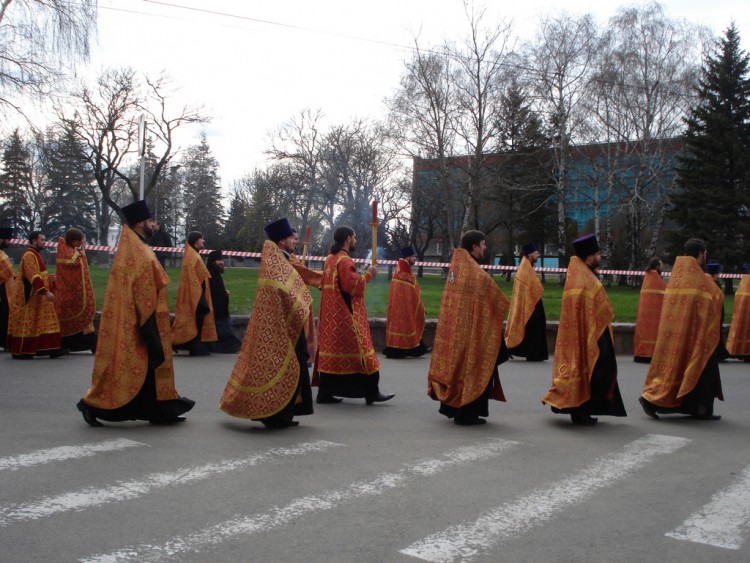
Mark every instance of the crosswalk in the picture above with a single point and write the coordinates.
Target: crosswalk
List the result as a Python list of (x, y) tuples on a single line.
[(721, 522)]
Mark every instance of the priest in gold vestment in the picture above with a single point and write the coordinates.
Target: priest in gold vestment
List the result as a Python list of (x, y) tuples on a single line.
[(194, 326), (7, 278), (270, 381), (684, 373), (34, 328), (584, 371), (650, 301), (469, 342), (738, 342), (526, 333), (133, 376)]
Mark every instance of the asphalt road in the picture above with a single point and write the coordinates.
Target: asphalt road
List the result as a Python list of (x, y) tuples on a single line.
[(388, 482)]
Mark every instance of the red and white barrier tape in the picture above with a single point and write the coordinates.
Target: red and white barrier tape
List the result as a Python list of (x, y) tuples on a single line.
[(243, 254)]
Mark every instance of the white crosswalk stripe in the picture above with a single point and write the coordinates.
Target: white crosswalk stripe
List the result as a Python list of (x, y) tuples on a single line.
[(62, 453), (466, 541), (128, 490), (305, 506), (724, 521)]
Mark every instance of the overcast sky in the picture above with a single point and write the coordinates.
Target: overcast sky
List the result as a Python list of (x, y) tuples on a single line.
[(341, 56)]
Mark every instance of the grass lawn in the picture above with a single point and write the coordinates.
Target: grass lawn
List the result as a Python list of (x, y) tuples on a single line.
[(241, 283)]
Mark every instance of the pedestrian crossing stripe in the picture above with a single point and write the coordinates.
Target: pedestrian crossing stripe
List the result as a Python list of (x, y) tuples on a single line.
[(466, 541), (63, 453), (305, 506), (129, 490)]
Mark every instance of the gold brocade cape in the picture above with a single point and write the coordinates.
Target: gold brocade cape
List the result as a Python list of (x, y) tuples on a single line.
[(585, 314), (7, 278), (34, 324), (74, 295), (345, 345), (315, 279), (527, 291), (194, 283), (266, 374), (649, 312), (404, 324), (738, 342), (688, 334), (136, 290), (468, 334)]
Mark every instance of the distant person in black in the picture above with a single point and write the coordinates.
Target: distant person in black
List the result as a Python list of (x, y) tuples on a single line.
[(228, 343), (160, 238)]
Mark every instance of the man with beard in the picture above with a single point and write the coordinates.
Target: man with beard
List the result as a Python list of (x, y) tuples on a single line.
[(526, 335), (270, 381), (469, 342), (649, 311), (404, 324), (684, 373), (346, 363), (35, 329), (133, 376), (227, 342), (75, 303), (160, 239), (584, 371), (7, 279), (194, 328)]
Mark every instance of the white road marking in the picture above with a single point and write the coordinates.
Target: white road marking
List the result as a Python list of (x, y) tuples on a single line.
[(305, 506), (128, 490), (463, 542), (63, 453), (724, 521)]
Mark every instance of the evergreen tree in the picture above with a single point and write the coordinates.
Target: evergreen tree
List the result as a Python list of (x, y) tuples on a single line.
[(202, 193), (15, 185), (714, 175), (68, 185)]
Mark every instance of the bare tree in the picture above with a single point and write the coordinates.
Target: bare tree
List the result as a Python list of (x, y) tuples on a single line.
[(482, 61), (422, 115), (559, 65), (105, 122), (39, 41), (647, 68), (297, 143)]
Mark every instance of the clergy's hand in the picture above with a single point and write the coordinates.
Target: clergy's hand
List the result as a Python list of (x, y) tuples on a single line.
[(50, 296), (373, 270)]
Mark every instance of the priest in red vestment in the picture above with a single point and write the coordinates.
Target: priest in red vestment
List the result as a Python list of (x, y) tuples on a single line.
[(404, 325), (346, 364)]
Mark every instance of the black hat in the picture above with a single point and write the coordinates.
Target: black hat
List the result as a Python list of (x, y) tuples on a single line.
[(6, 232), (136, 212), (278, 230), (586, 246), (713, 269), (527, 249), (215, 255), (407, 251)]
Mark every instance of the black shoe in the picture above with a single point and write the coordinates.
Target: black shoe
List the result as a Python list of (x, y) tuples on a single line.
[(648, 408), (268, 423), (327, 399), (380, 398), (161, 421), (583, 419), (22, 357), (707, 416), (469, 421), (59, 352), (88, 416)]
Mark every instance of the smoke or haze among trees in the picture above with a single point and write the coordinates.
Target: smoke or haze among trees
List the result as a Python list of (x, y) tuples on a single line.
[(503, 136)]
